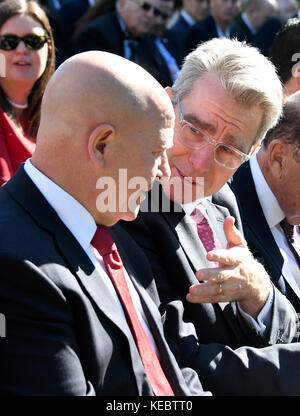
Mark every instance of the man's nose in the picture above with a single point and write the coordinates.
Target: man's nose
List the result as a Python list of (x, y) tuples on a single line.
[(201, 160)]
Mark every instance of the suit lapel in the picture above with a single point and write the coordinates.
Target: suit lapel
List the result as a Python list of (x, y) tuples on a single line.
[(23, 190), (211, 27), (217, 215), (185, 232)]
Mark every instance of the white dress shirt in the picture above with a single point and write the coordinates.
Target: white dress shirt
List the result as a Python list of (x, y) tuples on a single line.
[(248, 24), (169, 59), (187, 17), (83, 227), (264, 317), (274, 215), (222, 34)]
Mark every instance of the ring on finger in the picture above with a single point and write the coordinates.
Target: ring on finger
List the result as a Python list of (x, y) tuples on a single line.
[(220, 288)]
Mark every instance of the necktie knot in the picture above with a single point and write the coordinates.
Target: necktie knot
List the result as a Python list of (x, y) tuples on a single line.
[(102, 241), (288, 229)]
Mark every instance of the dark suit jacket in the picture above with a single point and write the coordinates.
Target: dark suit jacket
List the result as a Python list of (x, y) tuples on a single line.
[(241, 31), (266, 34), (176, 35), (200, 32), (105, 34), (65, 335), (214, 330), (259, 236), (262, 39)]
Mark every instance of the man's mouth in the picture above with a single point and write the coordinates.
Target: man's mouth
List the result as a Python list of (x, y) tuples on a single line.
[(185, 177)]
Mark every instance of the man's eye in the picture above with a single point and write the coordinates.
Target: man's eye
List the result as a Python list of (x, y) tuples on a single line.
[(226, 149), (194, 129)]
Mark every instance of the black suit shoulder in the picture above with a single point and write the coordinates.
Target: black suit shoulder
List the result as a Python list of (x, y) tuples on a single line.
[(103, 33), (241, 31), (264, 37), (200, 32)]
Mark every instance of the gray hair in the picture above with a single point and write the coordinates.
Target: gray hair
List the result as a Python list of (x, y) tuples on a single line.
[(248, 76)]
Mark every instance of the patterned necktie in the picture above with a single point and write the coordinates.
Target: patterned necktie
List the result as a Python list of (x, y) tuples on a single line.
[(133, 46), (289, 231), (103, 242), (205, 232)]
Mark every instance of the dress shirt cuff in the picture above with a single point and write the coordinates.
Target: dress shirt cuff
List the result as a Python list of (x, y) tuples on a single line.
[(264, 318)]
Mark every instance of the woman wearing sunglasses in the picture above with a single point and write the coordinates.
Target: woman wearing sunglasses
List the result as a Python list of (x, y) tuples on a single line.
[(27, 61)]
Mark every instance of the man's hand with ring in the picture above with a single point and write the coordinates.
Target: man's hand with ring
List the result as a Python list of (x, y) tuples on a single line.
[(239, 276)]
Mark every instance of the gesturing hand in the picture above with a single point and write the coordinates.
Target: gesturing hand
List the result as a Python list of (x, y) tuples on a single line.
[(239, 276)]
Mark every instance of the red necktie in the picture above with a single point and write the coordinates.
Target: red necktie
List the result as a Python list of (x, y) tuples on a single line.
[(289, 231), (103, 242)]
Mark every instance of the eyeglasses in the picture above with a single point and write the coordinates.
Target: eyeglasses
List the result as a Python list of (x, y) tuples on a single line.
[(10, 42), (194, 138), (157, 13)]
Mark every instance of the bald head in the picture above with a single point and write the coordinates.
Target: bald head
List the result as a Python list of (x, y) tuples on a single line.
[(99, 109), (95, 87)]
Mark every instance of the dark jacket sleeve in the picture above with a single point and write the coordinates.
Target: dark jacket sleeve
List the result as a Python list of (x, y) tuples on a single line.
[(40, 346)]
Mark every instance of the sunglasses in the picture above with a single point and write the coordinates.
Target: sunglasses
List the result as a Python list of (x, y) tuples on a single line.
[(157, 13), (32, 42)]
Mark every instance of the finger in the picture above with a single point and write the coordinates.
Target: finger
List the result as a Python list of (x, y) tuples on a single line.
[(232, 234), (214, 275), (209, 292), (222, 256), (206, 293)]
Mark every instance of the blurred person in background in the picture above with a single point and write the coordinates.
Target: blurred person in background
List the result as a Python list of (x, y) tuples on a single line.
[(284, 54), (258, 24), (216, 25), (287, 9), (28, 60), (63, 18), (168, 48), (126, 32), (255, 14), (192, 11)]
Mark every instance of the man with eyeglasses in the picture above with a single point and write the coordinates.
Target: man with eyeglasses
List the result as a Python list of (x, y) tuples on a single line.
[(268, 189), (125, 32), (225, 98)]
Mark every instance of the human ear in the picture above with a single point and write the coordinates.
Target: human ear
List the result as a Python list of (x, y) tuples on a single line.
[(169, 91), (98, 141), (278, 158)]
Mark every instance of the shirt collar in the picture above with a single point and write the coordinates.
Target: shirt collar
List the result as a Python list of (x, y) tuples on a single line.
[(187, 17), (269, 204), (190, 206), (123, 26), (222, 34), (74, 215), (248, 24)]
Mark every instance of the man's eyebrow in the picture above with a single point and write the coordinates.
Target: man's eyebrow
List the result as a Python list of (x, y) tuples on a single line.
[(236, 142), (210, 128)]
